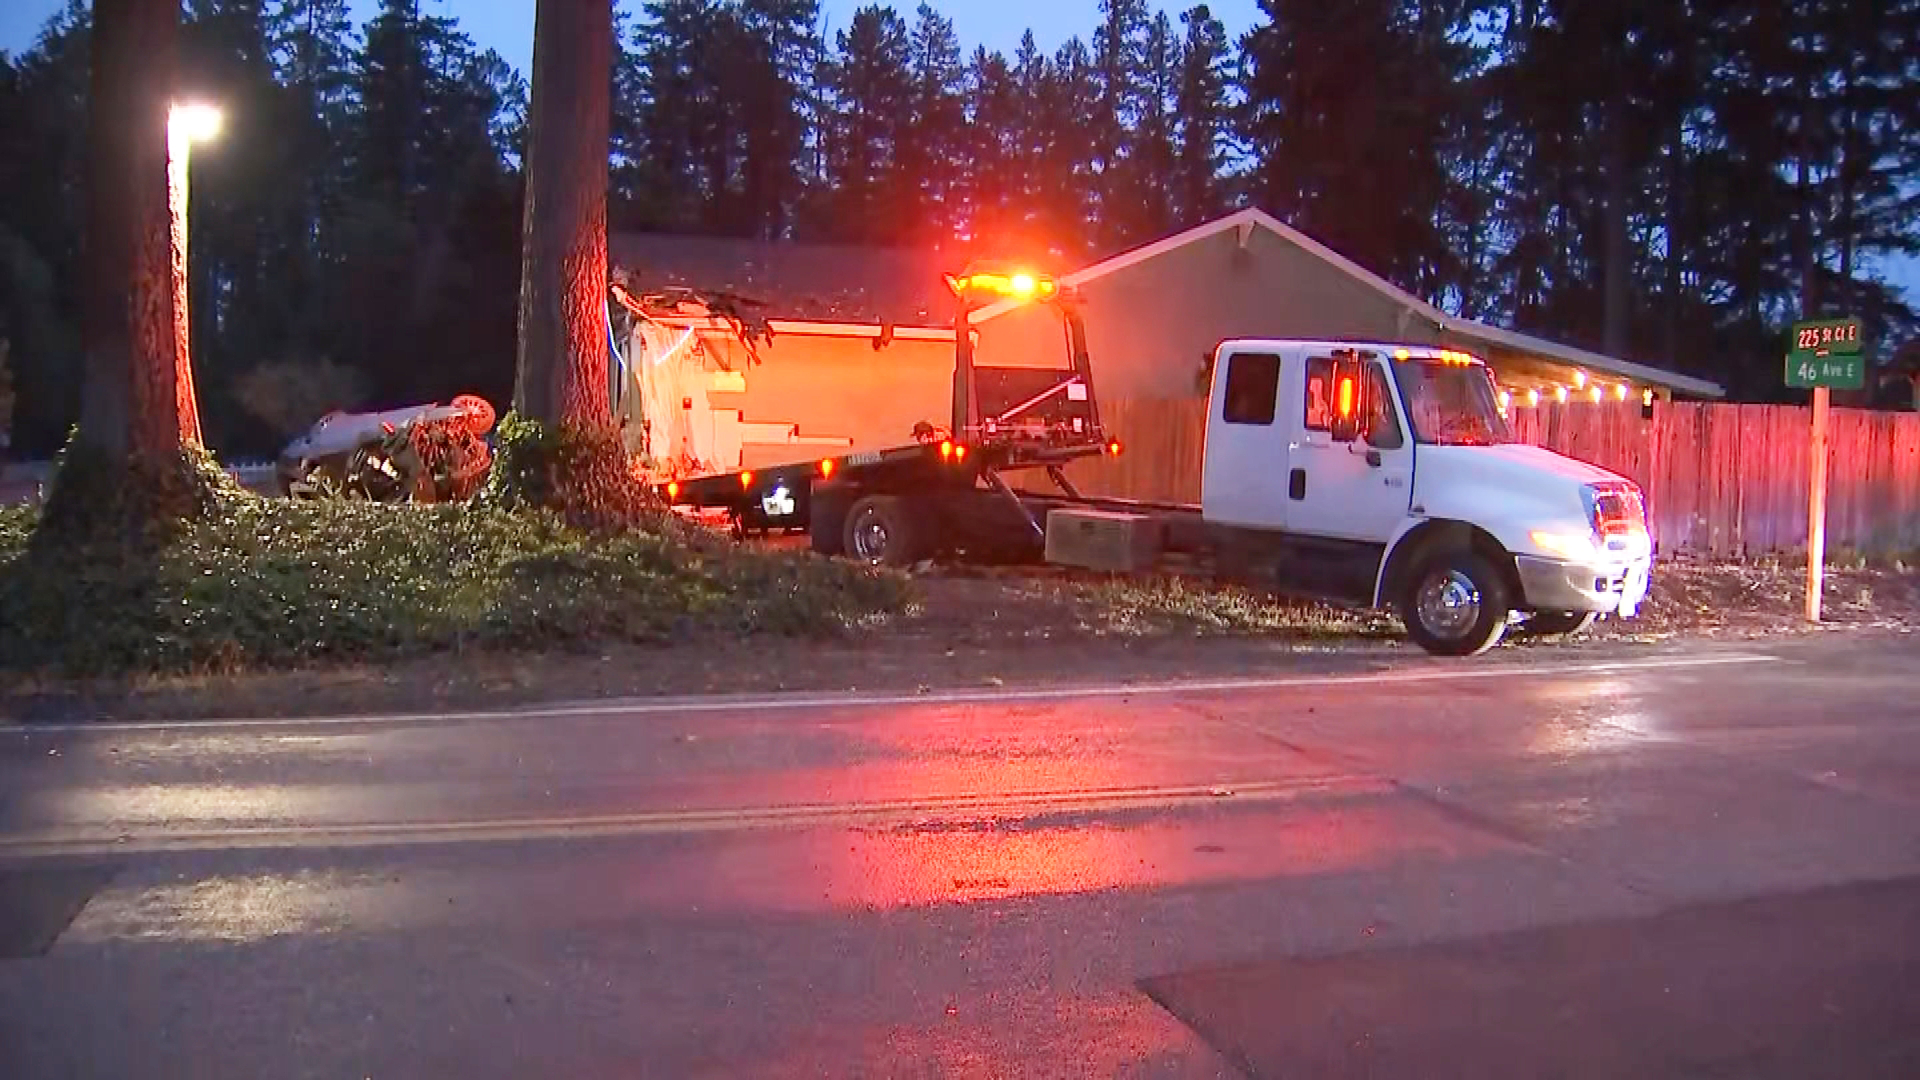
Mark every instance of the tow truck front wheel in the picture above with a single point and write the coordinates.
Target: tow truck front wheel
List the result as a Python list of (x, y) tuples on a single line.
[(880, 531), (1456, 604)]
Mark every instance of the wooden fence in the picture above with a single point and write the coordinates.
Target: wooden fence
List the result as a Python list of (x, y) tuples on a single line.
[(1720, 479)]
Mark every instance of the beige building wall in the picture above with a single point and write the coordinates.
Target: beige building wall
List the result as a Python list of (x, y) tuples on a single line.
[(1150, 325)]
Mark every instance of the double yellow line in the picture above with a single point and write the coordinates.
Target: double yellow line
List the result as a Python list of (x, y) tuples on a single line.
[(929, 810)]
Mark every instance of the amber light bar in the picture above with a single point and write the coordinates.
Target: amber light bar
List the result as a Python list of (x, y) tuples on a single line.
[(1019, 286)]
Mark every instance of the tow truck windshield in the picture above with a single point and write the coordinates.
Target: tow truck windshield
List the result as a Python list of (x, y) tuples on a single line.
[(1451, 404)]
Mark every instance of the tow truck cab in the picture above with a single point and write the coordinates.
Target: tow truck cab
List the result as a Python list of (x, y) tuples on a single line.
[(1386, 475)]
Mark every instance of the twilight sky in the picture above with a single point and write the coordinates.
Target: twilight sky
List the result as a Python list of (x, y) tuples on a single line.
[(507, 25)]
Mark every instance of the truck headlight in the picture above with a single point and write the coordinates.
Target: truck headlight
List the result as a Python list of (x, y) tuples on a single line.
[(1575, 547)]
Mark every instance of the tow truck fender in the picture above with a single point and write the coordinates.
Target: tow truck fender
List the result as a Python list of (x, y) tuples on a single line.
[(1418, 535)]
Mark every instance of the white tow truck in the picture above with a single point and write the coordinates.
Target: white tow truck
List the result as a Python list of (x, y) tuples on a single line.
[(1365, 474), (1385, 475)]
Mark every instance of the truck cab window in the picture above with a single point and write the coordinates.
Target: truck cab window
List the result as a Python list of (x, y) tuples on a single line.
[(1253, 388), (1383, 423), (1319, 408), (1451, 404)]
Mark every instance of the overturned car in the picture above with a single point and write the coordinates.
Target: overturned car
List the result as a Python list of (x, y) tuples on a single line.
[(421, 453)]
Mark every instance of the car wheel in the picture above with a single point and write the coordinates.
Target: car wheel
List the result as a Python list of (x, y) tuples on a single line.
[(1456, 604)]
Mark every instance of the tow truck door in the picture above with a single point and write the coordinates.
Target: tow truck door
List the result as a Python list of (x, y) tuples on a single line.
[(1357, 491)]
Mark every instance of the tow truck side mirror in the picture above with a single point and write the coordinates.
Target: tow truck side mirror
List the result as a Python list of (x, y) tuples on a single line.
[(1349, 401)]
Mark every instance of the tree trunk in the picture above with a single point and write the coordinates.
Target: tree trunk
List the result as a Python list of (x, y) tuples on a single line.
[(186, 405), (562, 372), (132, 404)]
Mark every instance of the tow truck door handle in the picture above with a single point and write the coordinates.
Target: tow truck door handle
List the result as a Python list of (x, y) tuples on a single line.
[(1297, 485)]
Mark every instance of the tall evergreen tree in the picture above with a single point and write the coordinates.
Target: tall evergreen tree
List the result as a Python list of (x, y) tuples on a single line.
[(1355, 161), (1202, 117), (132, 412), (931, 170), (1118, 78), (769, 64), (561, 376), (870, 88), (996, 182), (1153, 154)]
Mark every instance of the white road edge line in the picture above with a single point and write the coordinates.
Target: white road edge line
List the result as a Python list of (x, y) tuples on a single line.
[(727, 703), (933, 810)]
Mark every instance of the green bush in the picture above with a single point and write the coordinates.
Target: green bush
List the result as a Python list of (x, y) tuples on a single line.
[(273, 583)]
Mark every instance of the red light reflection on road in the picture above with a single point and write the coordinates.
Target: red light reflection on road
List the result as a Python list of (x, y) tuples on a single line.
[(963, 863)]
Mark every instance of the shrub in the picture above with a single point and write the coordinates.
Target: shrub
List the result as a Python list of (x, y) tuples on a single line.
[(272, 583)]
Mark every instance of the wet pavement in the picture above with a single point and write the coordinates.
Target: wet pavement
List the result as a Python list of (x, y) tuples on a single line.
[(1687, 862)]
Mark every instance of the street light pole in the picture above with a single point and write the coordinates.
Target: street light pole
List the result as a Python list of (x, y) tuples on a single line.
[(186, 125)]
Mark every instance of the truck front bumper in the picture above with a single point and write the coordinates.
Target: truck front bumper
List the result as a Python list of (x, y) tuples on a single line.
[(1613, 588)]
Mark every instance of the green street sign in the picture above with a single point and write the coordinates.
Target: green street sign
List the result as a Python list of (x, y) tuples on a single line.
[(1827, 352)]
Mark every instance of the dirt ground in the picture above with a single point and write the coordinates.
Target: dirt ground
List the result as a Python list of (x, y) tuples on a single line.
[(992, 628)]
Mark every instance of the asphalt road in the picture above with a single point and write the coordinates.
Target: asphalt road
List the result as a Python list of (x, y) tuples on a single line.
[(1689, 863)]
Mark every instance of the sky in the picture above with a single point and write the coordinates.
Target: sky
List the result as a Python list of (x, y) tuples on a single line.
[(506, 26)]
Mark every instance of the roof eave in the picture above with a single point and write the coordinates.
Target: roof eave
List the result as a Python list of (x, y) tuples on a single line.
[(1625, 369)]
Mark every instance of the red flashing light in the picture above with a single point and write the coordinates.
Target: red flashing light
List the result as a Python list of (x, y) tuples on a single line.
[(960, 452), (826, 468), (673, 489), (946, 450), (1347, 394), (746, 479), (1113, 448)]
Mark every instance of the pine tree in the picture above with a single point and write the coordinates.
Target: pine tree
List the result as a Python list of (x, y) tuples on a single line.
[(870, 87), (1153, 162), (1121, 91), (134, 421), (996, 187), (770, 62), (1355, 162), (930, 155), (1201, 118), (1068, 184), (562, 367)]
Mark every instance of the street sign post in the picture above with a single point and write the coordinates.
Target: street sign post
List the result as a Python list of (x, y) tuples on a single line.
[(1825, 355)]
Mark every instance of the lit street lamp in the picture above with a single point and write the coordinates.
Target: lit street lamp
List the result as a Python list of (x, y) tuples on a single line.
[(186, 125)]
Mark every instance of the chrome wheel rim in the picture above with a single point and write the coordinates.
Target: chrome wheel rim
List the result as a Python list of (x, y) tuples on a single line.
[(870, 537), (1448, 604)]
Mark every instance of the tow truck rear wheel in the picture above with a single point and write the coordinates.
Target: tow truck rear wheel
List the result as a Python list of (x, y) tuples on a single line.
[(1456, 604), (1557, 623), (880, 531)]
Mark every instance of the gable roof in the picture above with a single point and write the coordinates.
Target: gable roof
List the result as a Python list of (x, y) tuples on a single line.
[(825, 282), (1465, 328)]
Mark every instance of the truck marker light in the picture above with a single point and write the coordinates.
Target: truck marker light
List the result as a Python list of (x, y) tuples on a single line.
[(826, 468), (746, 479)]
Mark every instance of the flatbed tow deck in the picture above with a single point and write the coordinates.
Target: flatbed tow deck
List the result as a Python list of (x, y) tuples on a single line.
[(948, 490)]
